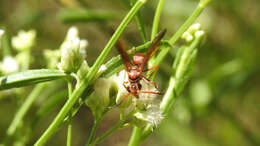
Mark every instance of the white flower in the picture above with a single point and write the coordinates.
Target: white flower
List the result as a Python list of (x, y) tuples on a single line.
[(73, 32), (73, 51), (9, 65), (1, 33), (151, 115), (24, 40), (118, 79)]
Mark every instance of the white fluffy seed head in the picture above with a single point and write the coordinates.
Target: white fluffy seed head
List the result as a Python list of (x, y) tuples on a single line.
[(151, 115)]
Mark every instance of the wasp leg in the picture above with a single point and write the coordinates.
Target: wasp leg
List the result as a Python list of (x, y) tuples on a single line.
[(116, 105), (151, 92), (125, 85), (154, 68), (149, 81)]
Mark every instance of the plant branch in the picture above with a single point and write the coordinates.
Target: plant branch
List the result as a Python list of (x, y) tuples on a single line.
[(69, 132), (110, 131), (93, 131), (156, 19), (135, 138)]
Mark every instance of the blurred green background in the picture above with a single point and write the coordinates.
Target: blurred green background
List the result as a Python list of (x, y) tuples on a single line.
[(220, 105)]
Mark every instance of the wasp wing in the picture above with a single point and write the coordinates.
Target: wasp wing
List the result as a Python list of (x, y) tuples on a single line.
[(120, 46), (155, 43)]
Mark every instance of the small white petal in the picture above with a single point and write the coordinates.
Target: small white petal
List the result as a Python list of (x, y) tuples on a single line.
[(9, 65), (199, 33), (195, 27), (83, 44), (72, 33), (1, 33)]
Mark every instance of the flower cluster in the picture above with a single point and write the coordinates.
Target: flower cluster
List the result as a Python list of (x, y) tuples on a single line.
[(73, 52), (193, 32), (22, 43), (24, 40)]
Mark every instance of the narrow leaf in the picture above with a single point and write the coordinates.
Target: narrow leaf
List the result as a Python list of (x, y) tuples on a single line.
[(30, 77)]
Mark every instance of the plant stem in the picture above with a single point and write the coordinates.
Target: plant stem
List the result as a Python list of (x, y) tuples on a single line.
[(24, 108), (78, 91), (135, 138), (69, 132), (139, 23), (6, 46), (93, 131), (156, 19), (110, 131)]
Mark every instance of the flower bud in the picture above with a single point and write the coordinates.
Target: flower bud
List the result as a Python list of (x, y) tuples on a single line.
[(24, 40), (9, 65), (83, 70), (73, 32), (121, 98), (192, 32), (99, 100), (73, 52)]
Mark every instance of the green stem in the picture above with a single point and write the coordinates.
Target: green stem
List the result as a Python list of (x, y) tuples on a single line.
[(93, 131), (24, 108), (78, 91), (6, 46), (110, 131), (135, 138), (188, 22), (155, 28), (26, 62), (69, 132), (139, 23), (156, 19)]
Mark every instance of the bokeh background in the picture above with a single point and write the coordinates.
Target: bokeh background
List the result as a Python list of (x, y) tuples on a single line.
[(220, 105)]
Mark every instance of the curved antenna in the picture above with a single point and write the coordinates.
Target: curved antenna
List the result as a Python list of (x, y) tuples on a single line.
[(155, 43)]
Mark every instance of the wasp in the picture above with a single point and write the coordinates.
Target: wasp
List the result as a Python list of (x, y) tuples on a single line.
[(137, 66)]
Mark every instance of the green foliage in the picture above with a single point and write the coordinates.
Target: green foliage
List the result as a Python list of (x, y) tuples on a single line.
[(223, 67)]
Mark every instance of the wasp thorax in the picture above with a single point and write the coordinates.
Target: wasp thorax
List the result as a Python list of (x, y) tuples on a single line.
[(138, 58)]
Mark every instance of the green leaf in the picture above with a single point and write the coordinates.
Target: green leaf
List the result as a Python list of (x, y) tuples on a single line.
[(30, 77)]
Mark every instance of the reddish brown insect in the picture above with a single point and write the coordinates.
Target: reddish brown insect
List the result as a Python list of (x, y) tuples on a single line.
[(136, 67)]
